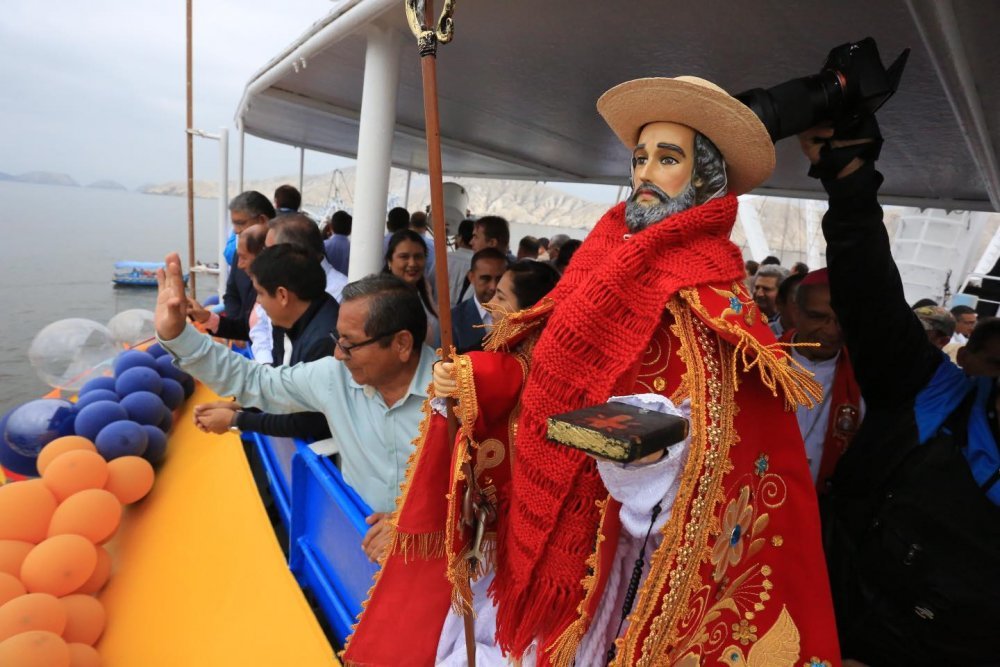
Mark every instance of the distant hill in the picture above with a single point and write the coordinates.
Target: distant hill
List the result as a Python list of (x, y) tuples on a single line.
[(107, 184), (46, 178), (518, 201), (6, 177)]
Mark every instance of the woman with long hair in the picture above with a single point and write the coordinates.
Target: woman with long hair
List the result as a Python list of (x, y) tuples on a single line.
[(406, 258)]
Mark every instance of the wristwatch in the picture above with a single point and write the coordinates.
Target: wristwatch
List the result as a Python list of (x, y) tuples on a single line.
[(233, 428)]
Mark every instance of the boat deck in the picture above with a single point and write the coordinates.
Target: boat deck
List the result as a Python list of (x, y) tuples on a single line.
[(199, 579)]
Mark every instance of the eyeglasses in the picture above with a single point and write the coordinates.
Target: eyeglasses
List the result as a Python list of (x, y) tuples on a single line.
[(346, 349)]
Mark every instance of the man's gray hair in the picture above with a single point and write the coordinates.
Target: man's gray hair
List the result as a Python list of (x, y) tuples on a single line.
[(252, 203), (770, 271), (299, 230), (557, 241), (394, 306)]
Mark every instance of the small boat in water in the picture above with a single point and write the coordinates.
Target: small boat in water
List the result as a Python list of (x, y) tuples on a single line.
[(137, 274)]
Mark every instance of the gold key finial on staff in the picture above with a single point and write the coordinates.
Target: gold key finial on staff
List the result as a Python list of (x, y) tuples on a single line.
[(428, 38)]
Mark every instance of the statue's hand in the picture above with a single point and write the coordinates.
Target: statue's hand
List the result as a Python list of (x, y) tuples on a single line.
[(171, 302), (444, 379)]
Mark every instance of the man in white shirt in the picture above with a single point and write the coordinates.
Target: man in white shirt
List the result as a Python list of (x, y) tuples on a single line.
[(460, 260), (965, 322)]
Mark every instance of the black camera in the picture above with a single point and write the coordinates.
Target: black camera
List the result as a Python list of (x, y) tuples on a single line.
[(851, 85)]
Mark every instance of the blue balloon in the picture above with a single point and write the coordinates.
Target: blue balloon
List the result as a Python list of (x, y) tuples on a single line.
[(156, 350), (144, 407), (139, 378), (167, 423), (165, 365), (92, 418), (172, 393), (188, 384), (124, 438), (11, 460), (156, 445), (133, 359), (97, 383), (95, 395), (37, 423)]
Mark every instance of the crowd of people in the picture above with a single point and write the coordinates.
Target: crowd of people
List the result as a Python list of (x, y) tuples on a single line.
[(835, 498)]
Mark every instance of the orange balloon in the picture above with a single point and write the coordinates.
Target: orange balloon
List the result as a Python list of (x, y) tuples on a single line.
[(59, 565), (10, 588), (12, 553), (75, 471), (35, 649), (34, 611), (130, 478), (81, 655), (101, 574), (26, 508), (85, 619), (93, 513), (67, 443)]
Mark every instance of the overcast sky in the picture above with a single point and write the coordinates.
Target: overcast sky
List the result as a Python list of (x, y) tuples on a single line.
[(95, 89)]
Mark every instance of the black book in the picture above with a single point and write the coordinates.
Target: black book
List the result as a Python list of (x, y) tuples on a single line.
[(617, 431)]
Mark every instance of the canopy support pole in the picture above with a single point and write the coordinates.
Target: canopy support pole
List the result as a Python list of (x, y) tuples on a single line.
[(224, 222), (302, 168), (375, 130)]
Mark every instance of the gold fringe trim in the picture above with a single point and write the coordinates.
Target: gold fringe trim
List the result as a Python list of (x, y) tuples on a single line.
[(461, 591), (673, 565), (563, 649), (423, 546), (509, 326), (468, 405), (461, 573), (782, 372)]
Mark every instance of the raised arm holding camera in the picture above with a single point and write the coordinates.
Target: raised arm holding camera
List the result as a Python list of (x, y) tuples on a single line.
[(911, 522)]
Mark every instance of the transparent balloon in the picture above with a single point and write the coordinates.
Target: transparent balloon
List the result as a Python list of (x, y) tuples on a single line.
[(67, 353), (131, 327)]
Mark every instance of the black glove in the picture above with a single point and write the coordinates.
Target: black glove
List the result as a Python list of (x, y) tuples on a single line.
[(833, 160)]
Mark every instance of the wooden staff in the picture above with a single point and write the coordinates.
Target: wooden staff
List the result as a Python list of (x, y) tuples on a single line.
[(427, 42), (190, 155)]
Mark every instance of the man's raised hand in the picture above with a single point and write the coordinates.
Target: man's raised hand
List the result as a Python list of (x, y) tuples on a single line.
[(171, 302)]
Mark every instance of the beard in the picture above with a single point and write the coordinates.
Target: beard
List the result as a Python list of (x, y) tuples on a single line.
[(638, 216)]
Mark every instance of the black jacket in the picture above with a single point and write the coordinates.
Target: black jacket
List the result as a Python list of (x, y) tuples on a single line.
[(239, 297), (913, 544), (312, 339)]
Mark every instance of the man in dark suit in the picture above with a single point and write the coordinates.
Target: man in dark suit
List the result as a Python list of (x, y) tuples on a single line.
[(469, 317), (246, 209)]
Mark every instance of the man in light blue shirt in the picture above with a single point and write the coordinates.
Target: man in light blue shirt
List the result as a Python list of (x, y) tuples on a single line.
[(371, 391)]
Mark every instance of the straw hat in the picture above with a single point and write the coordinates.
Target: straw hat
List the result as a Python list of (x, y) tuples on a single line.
[(703, 106)]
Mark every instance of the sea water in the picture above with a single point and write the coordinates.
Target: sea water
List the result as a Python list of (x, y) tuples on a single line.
[(58, 247)]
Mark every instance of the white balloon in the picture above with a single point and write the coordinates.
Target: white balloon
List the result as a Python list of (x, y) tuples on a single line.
[(130, 327), (67, 353)]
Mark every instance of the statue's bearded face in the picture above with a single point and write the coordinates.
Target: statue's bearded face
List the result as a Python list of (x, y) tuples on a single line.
[(662, 165)]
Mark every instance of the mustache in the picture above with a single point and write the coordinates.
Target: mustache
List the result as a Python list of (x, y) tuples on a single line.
[(650, 189)]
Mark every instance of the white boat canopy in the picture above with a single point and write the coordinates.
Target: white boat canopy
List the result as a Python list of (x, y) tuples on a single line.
[(518, 84)]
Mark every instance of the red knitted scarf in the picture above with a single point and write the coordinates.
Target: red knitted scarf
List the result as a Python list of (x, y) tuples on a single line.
[(608, 305)]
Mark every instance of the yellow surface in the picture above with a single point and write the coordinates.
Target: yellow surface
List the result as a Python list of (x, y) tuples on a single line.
[(199, 579)]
